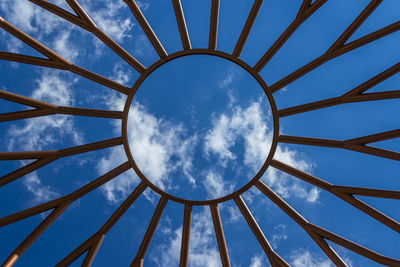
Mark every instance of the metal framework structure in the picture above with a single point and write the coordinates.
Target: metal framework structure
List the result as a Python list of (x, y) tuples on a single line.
[(318, 234)]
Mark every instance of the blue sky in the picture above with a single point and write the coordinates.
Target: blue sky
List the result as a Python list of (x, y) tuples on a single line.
[(200, 127)]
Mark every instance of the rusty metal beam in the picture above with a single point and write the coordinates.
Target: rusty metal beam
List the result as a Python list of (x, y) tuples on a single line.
[(44, 109), (273, 257), (93, 243), (52, 204), (14, 256), (219, 232), (355, 95), (63, 63), (356, 144), (334, 54), (187, 221), (31, 60), (355, 25), (355, 247), (330, 252), (84, 21), (52, 156), (305, 11), (146, 28), (180, 19), (247, 28), (212, 40), (346, 196), (138, 261)]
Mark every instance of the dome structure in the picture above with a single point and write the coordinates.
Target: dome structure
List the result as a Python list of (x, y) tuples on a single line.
[(326, 105)]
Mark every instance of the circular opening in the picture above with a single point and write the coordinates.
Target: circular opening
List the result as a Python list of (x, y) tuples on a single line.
[(199, 127)]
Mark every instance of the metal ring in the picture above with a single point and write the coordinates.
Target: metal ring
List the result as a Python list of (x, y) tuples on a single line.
[(220, 54)]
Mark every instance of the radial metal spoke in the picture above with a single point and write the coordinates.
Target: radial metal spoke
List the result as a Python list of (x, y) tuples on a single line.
[(355, 247), (32, 42), (52, 156), (180, 18), (212, 40), (355, 95), (35, 235), (301, 222), (63, 63), (219, 232), (355, 25), (93, 251), (339, 192), (62, 13), (68, 198), (337, 101), (306, 10), (273, 257), (85, 22), (146, 28), (25, 170), (43, 109), (27, 155), (32, 211), (138, 261), (338, 48), (33, 113), (31, 60), (357, 144), (369, 192), (187, 221), (99, 79), (247, 28), (375, 137), (94, 242), (335, 53)]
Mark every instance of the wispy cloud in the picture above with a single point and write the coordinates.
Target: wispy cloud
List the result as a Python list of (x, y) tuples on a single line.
[(41, 132), (44, 132), (253, 125), (158, 146), (40, 192), (42, 25), (202, 249), (63, 45), (304, 258), (216, 186), (279, 235), (107, 15), (258, 260)]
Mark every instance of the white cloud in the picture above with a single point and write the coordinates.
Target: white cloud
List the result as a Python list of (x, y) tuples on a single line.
[(26, 16), (42, 25), (120, 75), (252, 125), (247, 124), (220, 139), (63, 46), (278, 235), (43, 133), (40, 192), (234, 213), (142, 46), (303, 258), (159, 148), (202, 249), (227, 81), (258, 260), (216, 186), (117, 189), (154, 142), (107, 16)]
